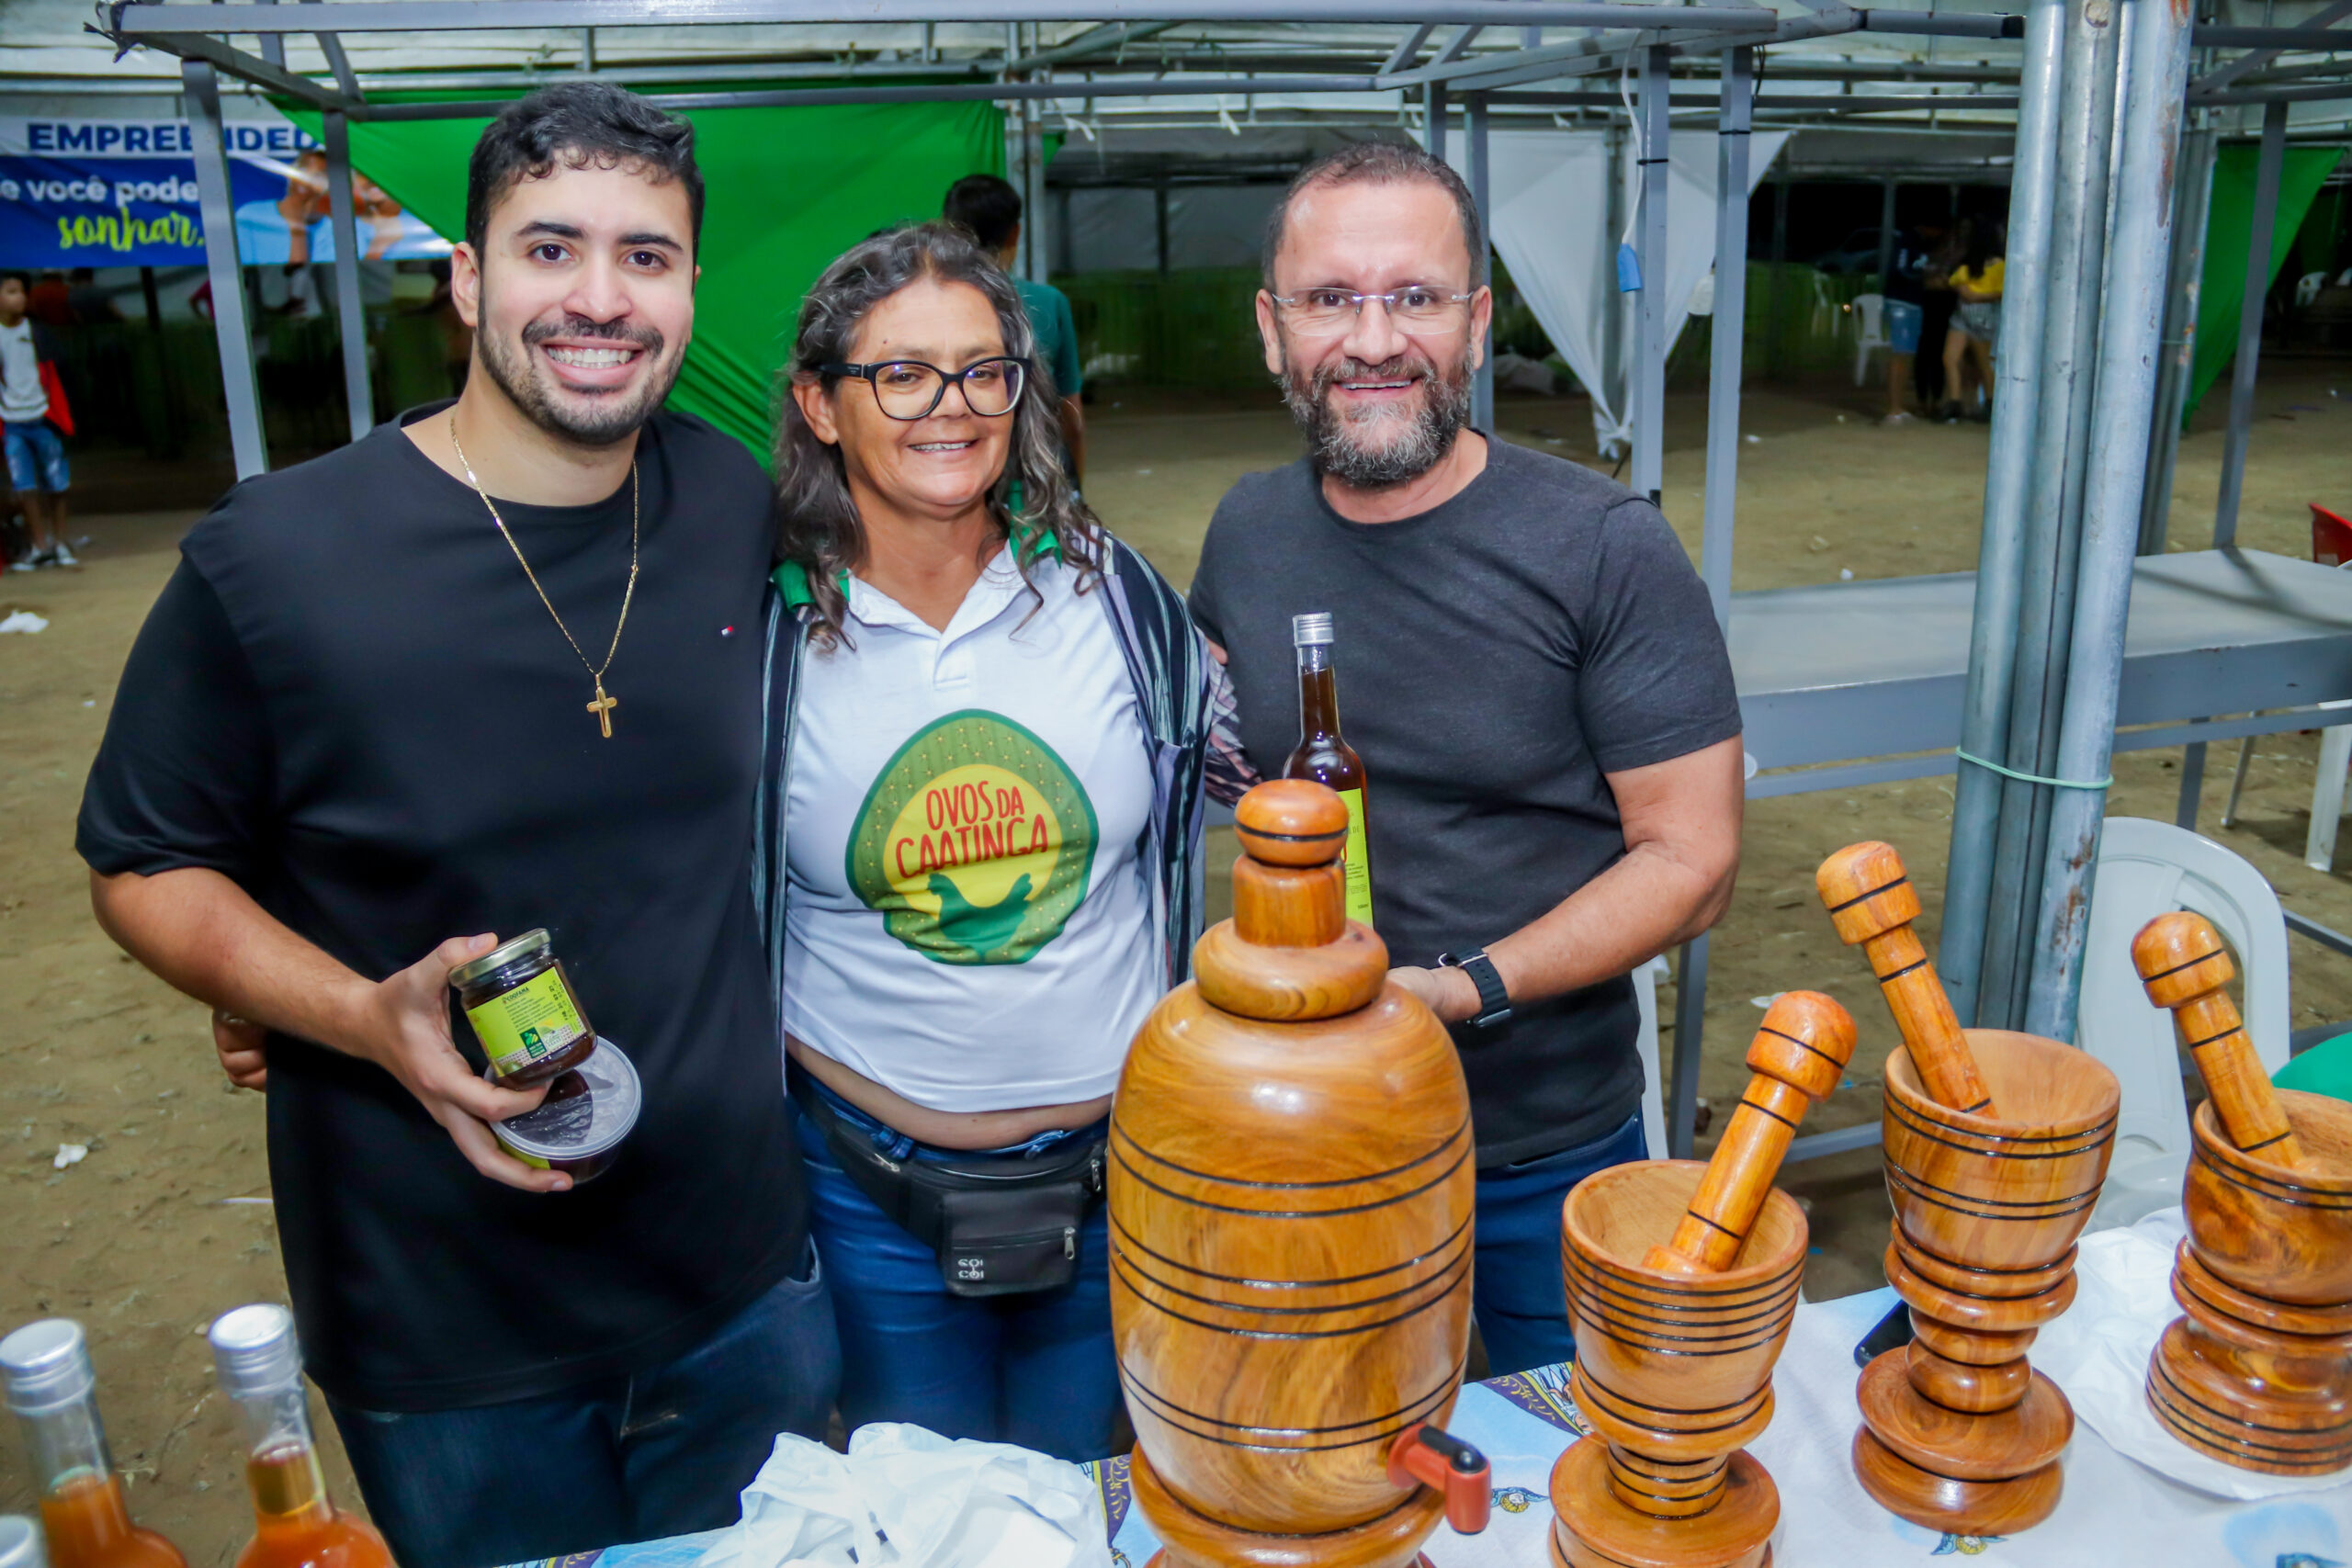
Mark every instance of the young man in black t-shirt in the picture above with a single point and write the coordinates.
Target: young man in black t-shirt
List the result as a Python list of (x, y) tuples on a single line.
[(1529, 668), (497, 666)]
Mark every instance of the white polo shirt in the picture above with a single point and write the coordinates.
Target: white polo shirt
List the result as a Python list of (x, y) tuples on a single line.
[(969, 918)]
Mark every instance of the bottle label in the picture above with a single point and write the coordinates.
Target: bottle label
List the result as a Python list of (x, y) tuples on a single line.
[(527, 1022), (1356, 863)]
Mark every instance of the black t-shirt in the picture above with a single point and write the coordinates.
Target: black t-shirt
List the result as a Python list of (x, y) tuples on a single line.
[(1496, 655), (1906, 273), (349, 700)]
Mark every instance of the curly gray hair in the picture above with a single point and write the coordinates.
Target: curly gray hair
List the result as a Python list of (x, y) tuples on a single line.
[(1031, 502)]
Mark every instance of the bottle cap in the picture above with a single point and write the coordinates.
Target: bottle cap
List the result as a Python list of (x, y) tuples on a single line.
[(47, 1365), (20, 1543), (254, 1351), (1312, 630)]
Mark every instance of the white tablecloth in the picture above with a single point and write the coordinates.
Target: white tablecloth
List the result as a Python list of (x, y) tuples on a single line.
[(2114, 1510)]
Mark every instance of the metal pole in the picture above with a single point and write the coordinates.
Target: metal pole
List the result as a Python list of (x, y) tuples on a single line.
[(1433, 117), (1775, 358), (1649, 246), (2053, 503), (238, 384), (2129, 348), (349, 317), (1726, 341), (1885, 235), (1992, 647), (2191, 206), (1160, 220), (1614, 376), (1690, 1016), (1474, 135), (2267, 167)]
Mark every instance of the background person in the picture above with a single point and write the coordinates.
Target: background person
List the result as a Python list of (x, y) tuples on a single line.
[(988, 208), (353, 731), (1905, 296), (35, 419), (1975, 321), (997, 722), (1528, 666)]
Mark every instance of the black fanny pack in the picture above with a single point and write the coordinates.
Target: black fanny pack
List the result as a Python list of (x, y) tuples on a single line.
[(1001, 1224)]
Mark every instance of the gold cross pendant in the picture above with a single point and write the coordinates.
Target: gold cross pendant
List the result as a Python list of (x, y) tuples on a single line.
[(603, 708)]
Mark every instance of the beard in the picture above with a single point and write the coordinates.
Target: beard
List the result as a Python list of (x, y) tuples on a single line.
[(1378, 448), (597, 419)]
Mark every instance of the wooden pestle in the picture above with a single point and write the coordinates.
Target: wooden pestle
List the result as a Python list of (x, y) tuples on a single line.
[(1872, 903), (2184, 966), (1799, 1054)]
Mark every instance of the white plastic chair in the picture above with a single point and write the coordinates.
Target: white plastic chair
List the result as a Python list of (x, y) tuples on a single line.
[(1869, 321), (1653, 1091), (2146, 869), (2307, 287)]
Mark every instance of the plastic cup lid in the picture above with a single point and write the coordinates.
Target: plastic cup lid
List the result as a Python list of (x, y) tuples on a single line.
[(587, 1110), (20, 1543), (45, 1364)]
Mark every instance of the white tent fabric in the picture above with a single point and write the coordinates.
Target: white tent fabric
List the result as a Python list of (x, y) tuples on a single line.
[(1549, 197)]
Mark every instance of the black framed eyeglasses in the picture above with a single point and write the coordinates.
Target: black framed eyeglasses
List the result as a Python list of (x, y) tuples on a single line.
[(910, 390)]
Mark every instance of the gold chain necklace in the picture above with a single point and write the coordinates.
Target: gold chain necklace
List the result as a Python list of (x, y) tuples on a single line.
[(604, 705)]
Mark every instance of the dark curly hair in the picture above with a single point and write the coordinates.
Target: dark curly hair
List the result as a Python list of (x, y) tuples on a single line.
[(1031, 502), (580, 123)]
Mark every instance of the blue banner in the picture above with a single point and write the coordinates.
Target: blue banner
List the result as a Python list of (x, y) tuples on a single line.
[(122, 193)]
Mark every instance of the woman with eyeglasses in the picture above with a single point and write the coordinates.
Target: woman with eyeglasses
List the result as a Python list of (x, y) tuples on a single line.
[(990, 726)]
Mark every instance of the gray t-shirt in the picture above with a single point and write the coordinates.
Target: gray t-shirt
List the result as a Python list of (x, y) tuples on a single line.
[(1495, 656)]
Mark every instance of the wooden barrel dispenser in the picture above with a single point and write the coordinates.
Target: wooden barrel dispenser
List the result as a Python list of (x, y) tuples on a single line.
[(1291, 1181)]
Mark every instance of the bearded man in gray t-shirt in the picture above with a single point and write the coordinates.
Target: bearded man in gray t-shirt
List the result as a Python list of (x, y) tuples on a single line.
[(1529, 668)]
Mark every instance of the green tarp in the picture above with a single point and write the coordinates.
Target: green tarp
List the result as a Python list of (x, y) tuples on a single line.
[(2228, 233), (787, 190)]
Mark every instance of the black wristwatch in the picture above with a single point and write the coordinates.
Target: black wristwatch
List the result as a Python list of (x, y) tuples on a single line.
[(1494, 1001)]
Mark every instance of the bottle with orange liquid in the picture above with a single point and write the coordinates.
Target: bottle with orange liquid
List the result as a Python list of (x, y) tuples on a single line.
[(295, 1526), (54, 1392)]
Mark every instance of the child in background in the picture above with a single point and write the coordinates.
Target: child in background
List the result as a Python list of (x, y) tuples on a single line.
[(32, 406)]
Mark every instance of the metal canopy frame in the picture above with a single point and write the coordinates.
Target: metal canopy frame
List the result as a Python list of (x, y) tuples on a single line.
[(1438, 63)]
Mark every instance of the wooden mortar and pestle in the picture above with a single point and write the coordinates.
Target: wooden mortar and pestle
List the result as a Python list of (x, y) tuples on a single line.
[(1995, 1146), (1676, 1341), (1291, 1186), (2258, 1373)]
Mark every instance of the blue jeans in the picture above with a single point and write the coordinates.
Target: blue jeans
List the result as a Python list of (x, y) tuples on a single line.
[(36, 457), (1903, 323), (623, 1458), (1035, 1369), (1521, 1305)]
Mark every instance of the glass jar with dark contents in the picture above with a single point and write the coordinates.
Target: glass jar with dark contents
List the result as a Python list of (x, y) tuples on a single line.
[(524, 1011), (579, 1127)]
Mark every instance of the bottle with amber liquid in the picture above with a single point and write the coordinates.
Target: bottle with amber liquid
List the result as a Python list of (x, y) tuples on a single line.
[(54, 1392), (1323, 756), (294, 1523)]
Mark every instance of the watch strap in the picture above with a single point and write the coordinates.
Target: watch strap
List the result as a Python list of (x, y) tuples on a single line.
[(1494, 998)]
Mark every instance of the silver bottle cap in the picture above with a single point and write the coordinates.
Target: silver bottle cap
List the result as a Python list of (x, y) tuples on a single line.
[(20, 1543), (254, 1351), (1311, 631), (47, 1366)]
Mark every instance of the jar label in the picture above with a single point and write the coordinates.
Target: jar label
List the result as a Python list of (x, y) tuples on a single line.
[(534, 1019), (1356, 863)]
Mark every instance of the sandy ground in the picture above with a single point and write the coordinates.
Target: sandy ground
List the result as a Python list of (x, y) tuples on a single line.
[(164, 1223)]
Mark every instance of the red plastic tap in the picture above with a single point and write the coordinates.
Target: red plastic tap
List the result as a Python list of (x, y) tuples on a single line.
[(1430, 1456)]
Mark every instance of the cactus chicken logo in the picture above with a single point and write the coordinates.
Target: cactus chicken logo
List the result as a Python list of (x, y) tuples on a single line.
[(975, 842)]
